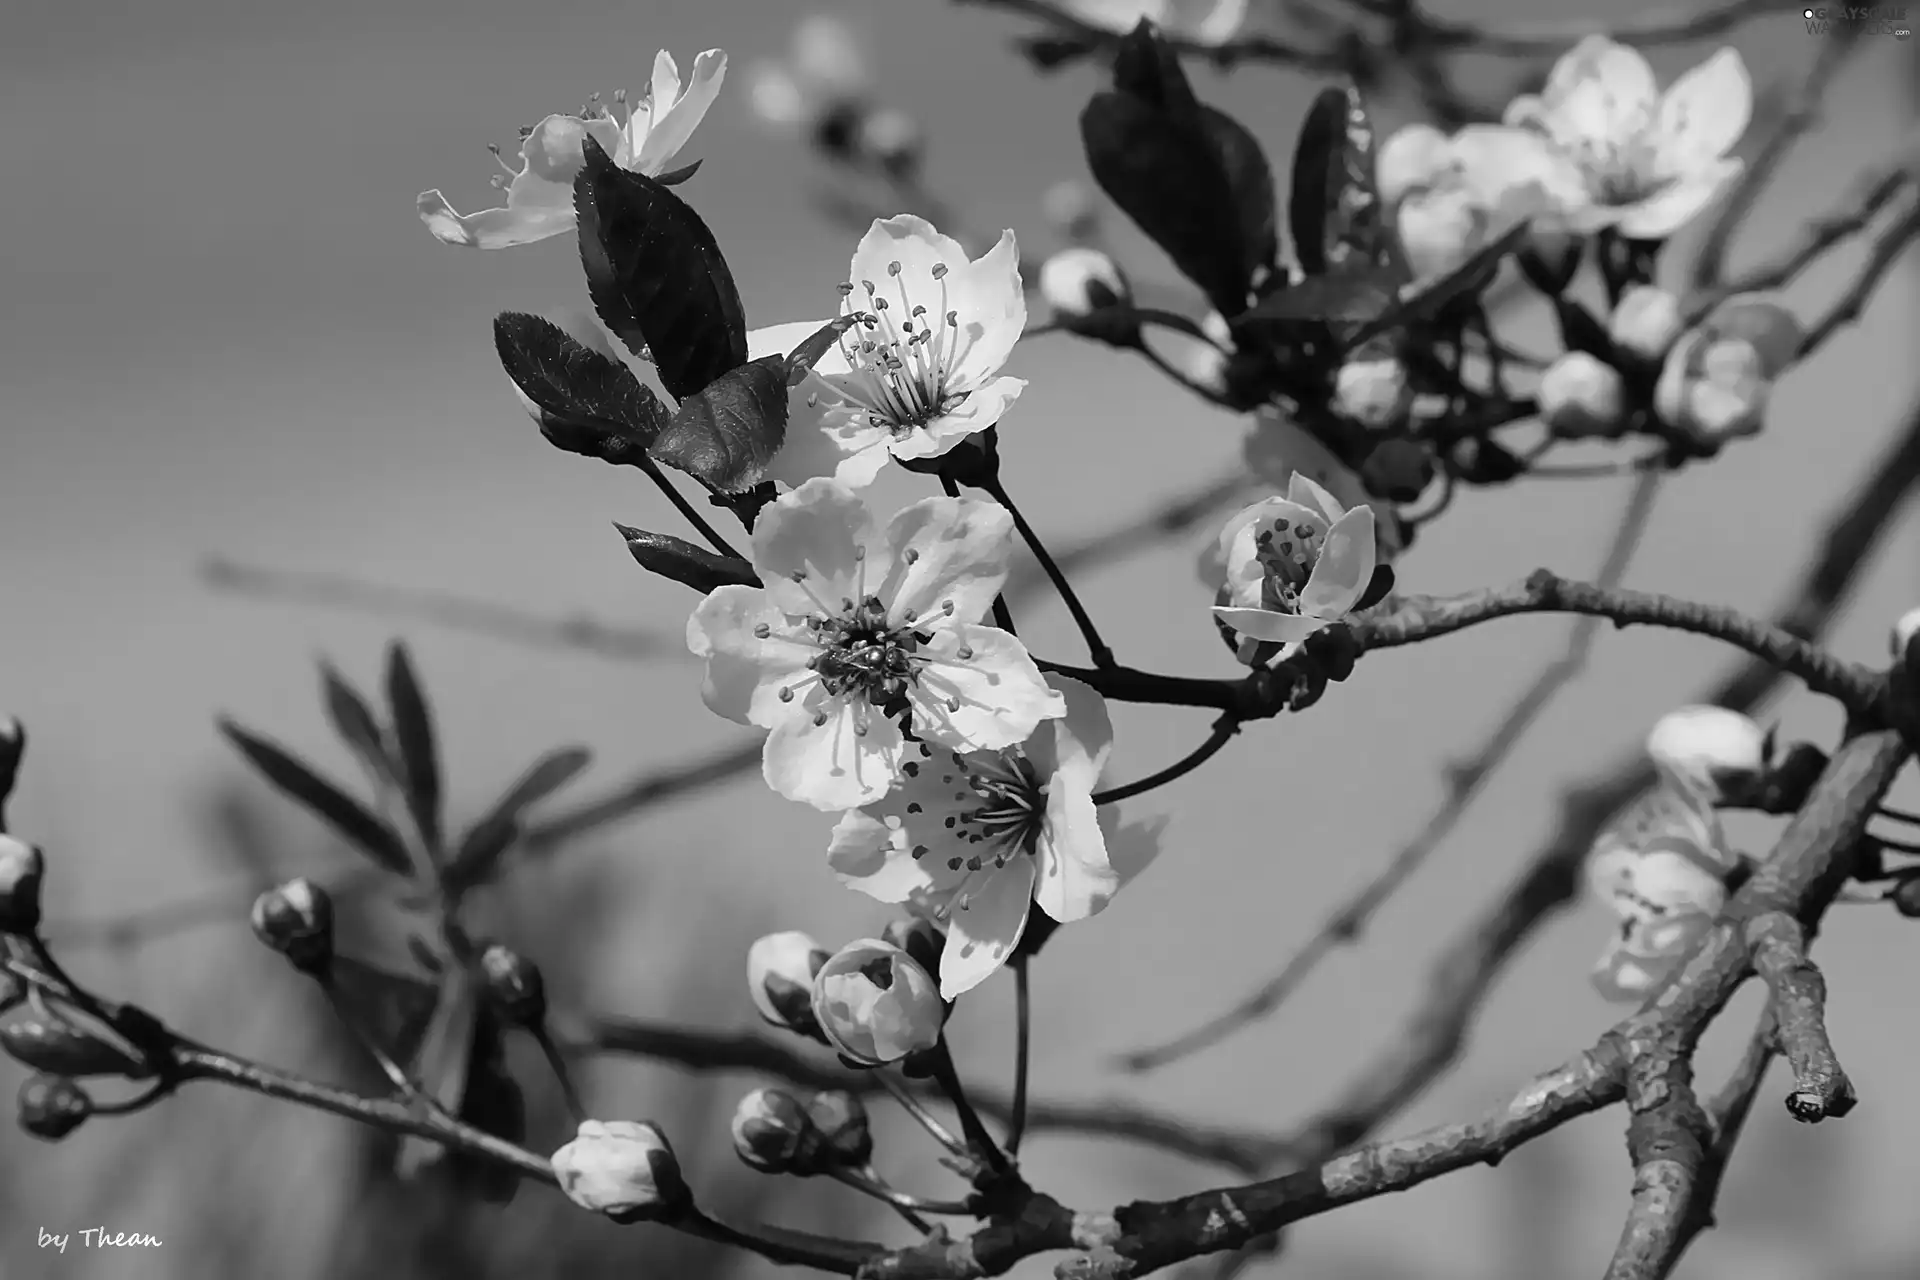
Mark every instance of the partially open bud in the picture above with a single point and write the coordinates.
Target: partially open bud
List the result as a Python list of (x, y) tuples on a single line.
[(1581, 397), (1773, 331), (60, 1049), (773, 1133), (1713, 389), (51, 1107), (296, 919), (1646, 323), (1721, 753), (845, 1134), (1904, 630), (877, 1004), (1080, 280), (1071, 211), (1373, 391), (780, 973), (21, 871), (514, 985), (891, 139), (623, 1168)]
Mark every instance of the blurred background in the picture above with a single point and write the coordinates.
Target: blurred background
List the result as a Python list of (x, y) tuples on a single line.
[(226, 334)]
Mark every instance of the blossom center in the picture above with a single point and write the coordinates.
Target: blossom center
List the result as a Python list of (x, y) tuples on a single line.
[(1287, 552), (994, 810), (903, 353)]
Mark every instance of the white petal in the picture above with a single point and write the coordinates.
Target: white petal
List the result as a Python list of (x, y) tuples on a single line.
[(540, 196), (918, 248), (745, 673), (1415, 156), (1239, 536), (1344, 567), (981, 409), (1600, 93), (1497, 163), (1075, 746), (1277, 447), (1075, 877), (960, 548), (1673, 207), (865, 458), (877, 859), (988, 300), (990, 699), (1264, 624), (983, 933), (1703, 115), (780, 339), (823, 531), (832, 766), (1303, 490), (1528, 110), (674, 118)]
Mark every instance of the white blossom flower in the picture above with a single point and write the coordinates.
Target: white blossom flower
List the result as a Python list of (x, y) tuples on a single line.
[(1715, 753), (540, 192), (780, 969), (876, 1004), (1648, 162), (920, 372), (860, 634), (1581, 395), (1295, 565), (1905, 628), (1647, 321), (973, 839), (1451, 195), (1208, 22), (623, 1168)]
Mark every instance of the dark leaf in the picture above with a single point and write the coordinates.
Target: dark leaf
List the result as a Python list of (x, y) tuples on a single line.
[(1050, 53), (443, 1060), (482, 847), (395, 1008), (1339, 297), (1434, 297), (1379, 587), (1147, 68), (656, 275), (495, 1105), (588, 404), (1357, 230), (680, 560), (1317, 164), (419, 753), (727, 434), (354, 721), (1581, 330), (342, 812), (801, 359), (675, 177)]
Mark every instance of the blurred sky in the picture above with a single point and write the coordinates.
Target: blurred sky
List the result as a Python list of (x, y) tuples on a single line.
[(226, 332)]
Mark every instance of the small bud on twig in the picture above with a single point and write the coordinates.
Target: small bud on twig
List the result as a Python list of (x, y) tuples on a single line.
[(773, 1133), (845, 1133), (514, 984), (51, 1107), (296, 919), (625, 1169), (21, 871), (58, 1048), (780, 972), (877, 1004)]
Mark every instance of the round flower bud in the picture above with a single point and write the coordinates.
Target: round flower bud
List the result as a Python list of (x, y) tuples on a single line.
[(51, 1107), (1906, 897), (13, 745), (891, 139), (780, 971), (515, 985), (1414, 157), (876, 1004), (1773, 331), (1079, 280), (1582, 396), (1399, 469), (1720, 752), (773, 1133), (1905, 628), (845, 1134), (1373, 391), (1070, 210), (1646, 323), (296, 919), (21, 871), (623, 1168)]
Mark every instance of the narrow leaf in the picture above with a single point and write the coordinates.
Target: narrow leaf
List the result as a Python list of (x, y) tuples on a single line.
[(1314, 187), (656, 275), (674, 177), (683, 562), (801, 359), (726, 435), (442, 1063), (488, 840), (354, 721), (342, 812), (419, 752), (588, 404), (1432, 298)]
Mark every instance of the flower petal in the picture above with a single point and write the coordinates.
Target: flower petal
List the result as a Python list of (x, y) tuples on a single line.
[(823, 532), (1074, 747), (491, 228), (1416, 156), (979, 410), (917, 247), (1344, 567), (1277, 447), (1497, 163), (675, 114), (985, 927), (946, 549), (1703, 115), (779, 339), (992, 698), (745, 672), (1264, 624), (988, 300), (1075, 877), (1600, 94), (877, 859), (1674, 206), (830, 765), (540, 197), (1303, 490)]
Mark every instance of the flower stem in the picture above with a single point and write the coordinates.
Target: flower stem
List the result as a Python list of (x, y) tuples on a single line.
[(918, 1110), (544, 1039), (867, 1182), (1102, 655), (979, 1141), (687, 509), (393, 1070), (1899, 815), (1022, 1052), (1223, 729)]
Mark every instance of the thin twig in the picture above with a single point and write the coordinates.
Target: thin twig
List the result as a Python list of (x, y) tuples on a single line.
[(1022, 1054)]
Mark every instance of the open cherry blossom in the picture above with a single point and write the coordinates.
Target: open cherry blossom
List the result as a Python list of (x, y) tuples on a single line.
[(861, 634), (1295, 565), (540, 192), (974, 839), (920, 372)]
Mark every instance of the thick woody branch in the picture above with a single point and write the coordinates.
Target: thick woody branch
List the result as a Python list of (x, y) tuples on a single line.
[(1667, 1139), (1799, 992)]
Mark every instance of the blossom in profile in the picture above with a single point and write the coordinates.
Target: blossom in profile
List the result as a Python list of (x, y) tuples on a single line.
[(625, 1169), (1646, 162), (1295, 565), (975, 839), (1453, 194), (643, 136), (861, 635), (1717, 754), (919, 371), (876, 1004)]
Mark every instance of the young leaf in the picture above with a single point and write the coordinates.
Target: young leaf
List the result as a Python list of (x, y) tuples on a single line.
[(588, 404), (685, 563), (488, 839), (1334, 210), (419, 753), (801, 359), (342, 812), (728, 433), (354, 721), (1434, 296), (656, 275)]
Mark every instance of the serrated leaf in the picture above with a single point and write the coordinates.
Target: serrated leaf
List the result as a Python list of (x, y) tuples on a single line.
[(801, 359), (1433, 297), (413, 734), (326, 801), (656, 275), (482, 847), (588, 404), (354, 721), (674, 177), (726, 434), (685, 563)]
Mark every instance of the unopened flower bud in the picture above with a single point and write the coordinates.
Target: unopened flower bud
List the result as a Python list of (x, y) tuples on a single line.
[(780, 972), (1582, 396), (13, 745), (1412, 158), (1079, 280), (845, 1134), (1373, 391), (919, 937), (51, 1107), (1071, 211), (515, 985), (296, 919), (1773, 331), (773, 1133), (21, 871), (1722, 753), (1438, 230), (57, 1048), (1399, 469), (1713, 388), (1906, 897), (623, 1168), (876, 1004), (1646, 322), (1905, 628), (891, 139)]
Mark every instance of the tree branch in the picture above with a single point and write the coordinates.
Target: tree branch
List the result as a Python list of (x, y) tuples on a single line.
[(1799, 992)]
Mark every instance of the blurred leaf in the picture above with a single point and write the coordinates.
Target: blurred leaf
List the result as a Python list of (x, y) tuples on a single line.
[(342, 812), (395, 1008), (588, 404), (481, 848), (494, 1104), (419, 753), (1050, 53), (801, 359), (683, 562), (727, 434), (441, 1064), (354, 721), (657, 276), (1470, 277), (1337, 297), (1581, 330)]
